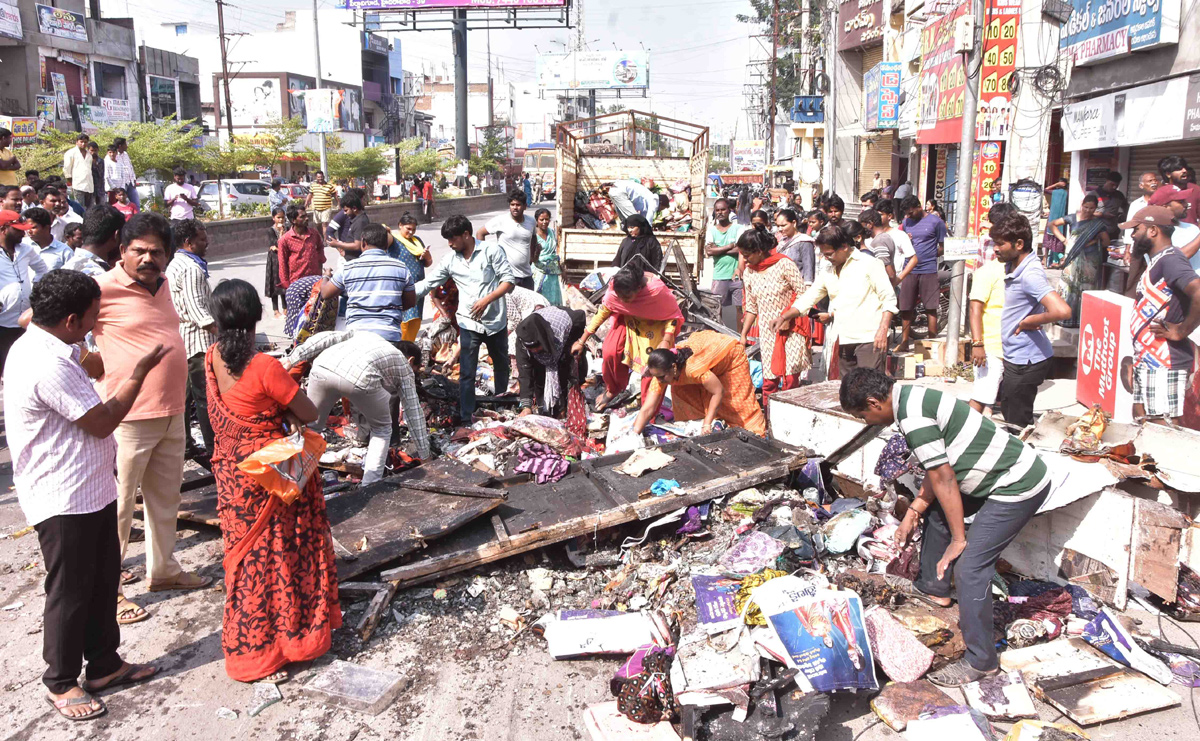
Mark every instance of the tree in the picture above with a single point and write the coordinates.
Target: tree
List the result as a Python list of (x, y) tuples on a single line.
[(718, 165), (153, 147), (791, 78), (492, 152), (415, 158), (278, 140)]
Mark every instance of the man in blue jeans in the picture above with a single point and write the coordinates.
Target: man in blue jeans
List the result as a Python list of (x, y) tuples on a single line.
[(483, 276)]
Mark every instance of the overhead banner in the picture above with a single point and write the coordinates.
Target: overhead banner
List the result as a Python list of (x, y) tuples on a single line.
[(600, 70), (435, 4), (1101, 31), (748, 155), (943, 82), (881, 97), (860, 23), (321, 107), (1152, 113), (65, 24), (994, 120), (10, 21), (985, 185)]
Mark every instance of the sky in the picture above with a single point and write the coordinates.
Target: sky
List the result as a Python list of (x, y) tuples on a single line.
[(698, 50)]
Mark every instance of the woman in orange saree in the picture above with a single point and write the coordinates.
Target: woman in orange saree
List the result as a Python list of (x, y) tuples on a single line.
[(281, 595)]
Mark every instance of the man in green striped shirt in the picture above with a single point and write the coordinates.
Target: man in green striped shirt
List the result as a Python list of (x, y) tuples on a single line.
[(973, 470)]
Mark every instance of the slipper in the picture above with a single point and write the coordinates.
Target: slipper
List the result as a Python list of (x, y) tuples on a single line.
[(136, 612), (128, 577), (911, 592), (123, 678), (183, 581), (278, 677), (958, 674), (84, 699)]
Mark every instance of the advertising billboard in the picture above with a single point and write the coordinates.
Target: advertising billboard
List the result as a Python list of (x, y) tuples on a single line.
[(600, 70), (256, 101), (748, 155), (859, 23), (10, 21), (445, 4), (65, 24), (999, 65), (943, 81), (881, 97), (1096, 32), (1106, 354)]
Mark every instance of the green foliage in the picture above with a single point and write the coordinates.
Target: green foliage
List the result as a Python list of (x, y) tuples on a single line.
[(225, 159), (790, 78), (718, 165), (492, 152), (416, 159), (152, 146), (366, 164), (276, 141)]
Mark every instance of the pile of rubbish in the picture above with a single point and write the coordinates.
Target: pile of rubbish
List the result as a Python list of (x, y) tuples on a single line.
[(594, 210)]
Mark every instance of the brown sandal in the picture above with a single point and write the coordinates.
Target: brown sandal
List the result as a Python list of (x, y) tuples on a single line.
[(132, 612), (124, 677), (84, 699)]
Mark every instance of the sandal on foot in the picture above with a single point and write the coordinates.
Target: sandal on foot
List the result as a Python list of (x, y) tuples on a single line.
[(126, 676), (911, 592), (128, 577), (185, 580), (70, 702), (278, 677), (957, 674), (129, 613)]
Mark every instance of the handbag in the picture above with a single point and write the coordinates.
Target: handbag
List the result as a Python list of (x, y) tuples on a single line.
[(284, 465)]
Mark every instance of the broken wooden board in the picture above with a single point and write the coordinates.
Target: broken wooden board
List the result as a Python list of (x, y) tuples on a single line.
[(388, 518), (900, 702), (1083, 683), (592, 496)]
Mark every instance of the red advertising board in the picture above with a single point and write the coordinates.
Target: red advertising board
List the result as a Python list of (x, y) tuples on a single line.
[(985, 182), (943, 80), (1106, 354), (998, 67)]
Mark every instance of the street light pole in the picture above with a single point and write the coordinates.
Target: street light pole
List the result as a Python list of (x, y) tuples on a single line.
[(317, 56)]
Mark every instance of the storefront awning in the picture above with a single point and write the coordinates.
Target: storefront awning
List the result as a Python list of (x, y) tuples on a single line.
[(1147, 114)]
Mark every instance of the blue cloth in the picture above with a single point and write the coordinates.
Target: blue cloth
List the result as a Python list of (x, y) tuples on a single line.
[(196, 259), (1024, 288), (277, 199), (662, 487), (417, 271), (1058, 206), (926, 234), (475, 277), (374, 286)]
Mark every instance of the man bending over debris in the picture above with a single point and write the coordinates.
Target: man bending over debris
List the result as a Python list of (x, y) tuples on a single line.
[(369, 370), (973, 469)]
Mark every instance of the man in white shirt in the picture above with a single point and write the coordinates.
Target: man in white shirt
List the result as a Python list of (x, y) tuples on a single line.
[(17, 275), (1148, 183), (64, 456), (54, 253), (905, 258), (77, 169), (630, 197), (55, 202), (514, 233), (180, 197)]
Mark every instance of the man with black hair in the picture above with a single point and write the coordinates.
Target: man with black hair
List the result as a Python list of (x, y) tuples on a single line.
[(869, 199), (101, 241), (278, 197), (300, 249), (927, 232), (1114, 206), (23, 267), (1177, 187), (33, 178), (834, 208), (10, 198), (514, 233), (61, 435), (483, 276), (378, 287), (187, 277), (861, 299), (77, 169), (1166, 311), (180, 197), (879, 241), (54, 253), (1029, 303), (126, 177), (972, 468), (136, 314), (9, 164), (348, 239), (52, 200)]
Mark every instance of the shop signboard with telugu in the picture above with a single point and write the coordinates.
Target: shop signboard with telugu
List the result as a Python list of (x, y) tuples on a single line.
[(999, 65), (1099, 31), (10, 21), (1105, 374), (443, 4), (881, 97), (860, 23), (24, 128), (116, 109), (44, 108), (65, 24), (748, 155), (942, 87)]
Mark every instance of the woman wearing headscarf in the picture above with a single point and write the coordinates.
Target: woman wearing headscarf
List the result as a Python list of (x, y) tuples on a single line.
[(410, 250), (547, 268), (546, 370), (709, 378), (644, 316), (640, 240), (1086, 252)]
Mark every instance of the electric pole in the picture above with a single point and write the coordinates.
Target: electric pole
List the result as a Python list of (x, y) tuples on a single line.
[(962, 203), (491, 94), (771, 106), (224, 68), (317, 57)]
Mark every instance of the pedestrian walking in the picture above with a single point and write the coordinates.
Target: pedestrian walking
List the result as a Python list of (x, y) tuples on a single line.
[(772, 283), (515, 234), (180, 198), (321, 201), (415, 256), (272, 287), (301, 252)]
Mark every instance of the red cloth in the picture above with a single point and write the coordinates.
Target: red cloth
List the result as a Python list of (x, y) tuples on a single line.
[(655, 303), (263, 381), (427, 189), (778, 383), (766, 262), (300, 256)]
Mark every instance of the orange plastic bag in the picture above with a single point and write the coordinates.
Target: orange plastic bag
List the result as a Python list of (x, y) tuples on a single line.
[(283, 466)]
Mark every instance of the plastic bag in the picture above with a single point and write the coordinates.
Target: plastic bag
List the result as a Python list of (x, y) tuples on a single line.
[(283, 466)]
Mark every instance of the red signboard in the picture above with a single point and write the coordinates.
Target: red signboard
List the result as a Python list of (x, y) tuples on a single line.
[(1106, 354), (985, 183), (943, 80), (999, 65)]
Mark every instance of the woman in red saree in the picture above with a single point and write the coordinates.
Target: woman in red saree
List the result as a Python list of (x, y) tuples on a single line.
[(645, 317), (281, 600)]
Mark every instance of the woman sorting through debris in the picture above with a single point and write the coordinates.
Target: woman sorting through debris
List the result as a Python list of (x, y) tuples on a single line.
[(416, 257), (1085, 255), (550, 376), (640, 240), (709, 377), (281, 594), (772, 283), (972, 468), (645, 316)]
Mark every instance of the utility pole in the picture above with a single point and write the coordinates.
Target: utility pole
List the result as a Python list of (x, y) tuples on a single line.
[(771, 106), (224, 69), (962, 204), (491, 95), (317, 57), (462, 144)]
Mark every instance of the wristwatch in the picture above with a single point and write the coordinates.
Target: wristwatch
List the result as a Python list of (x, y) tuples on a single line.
[(976, 344)]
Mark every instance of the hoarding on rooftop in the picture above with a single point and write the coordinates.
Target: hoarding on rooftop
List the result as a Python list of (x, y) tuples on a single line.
[(377, 5)]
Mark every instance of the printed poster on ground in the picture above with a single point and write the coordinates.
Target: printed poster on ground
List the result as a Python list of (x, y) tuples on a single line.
[(999, 65), (822, 630), (60, 93), (942, 87), (44, 108)]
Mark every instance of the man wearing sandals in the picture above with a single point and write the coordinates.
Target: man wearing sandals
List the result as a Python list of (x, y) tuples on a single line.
[(63, 452), (973, 471)]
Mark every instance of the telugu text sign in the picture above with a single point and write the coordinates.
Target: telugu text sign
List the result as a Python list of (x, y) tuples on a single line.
[(65, 24), (859, 23), (881, 97), (748, 155), (1097, 31), (444, 4), (942, 87)]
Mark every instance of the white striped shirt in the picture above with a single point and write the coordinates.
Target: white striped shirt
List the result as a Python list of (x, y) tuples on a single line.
[(191, 294), (58, 468)]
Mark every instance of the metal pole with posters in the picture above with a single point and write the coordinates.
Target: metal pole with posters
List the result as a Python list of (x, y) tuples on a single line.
[(462, 146), (317, 56)]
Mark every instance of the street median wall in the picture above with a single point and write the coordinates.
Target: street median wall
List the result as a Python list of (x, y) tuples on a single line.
[(233, 237)]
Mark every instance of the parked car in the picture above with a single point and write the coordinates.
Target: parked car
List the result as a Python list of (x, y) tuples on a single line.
[(149, 190), (295, 191), (235, 192)]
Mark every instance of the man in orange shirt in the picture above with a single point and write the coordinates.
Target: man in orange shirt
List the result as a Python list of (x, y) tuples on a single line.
[(136, 313)]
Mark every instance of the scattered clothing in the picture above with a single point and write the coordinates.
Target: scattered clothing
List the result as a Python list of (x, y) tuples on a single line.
[(542, 461)]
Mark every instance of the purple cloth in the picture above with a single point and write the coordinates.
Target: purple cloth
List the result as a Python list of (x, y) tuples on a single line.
[(542, 461), (692, 520), (893, 461)]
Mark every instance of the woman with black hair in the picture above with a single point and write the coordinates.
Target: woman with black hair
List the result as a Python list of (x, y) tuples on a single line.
[(272, 288), (412, 252), (709, 378), (817, 220), (772, 283), (281, 597), (547, 268), (639, 240), (743, 210), (760, 220)]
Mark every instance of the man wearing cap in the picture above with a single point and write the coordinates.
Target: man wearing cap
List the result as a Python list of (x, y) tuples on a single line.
[(1166, 310), (17, 275)]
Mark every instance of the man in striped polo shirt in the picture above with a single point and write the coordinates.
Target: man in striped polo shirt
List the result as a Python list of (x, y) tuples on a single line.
[(973, 469), (378, 288), (320, 200)]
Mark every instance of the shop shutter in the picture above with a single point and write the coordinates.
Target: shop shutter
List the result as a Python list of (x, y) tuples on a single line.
[(1145, 159), (875, 152), (871, 57)]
